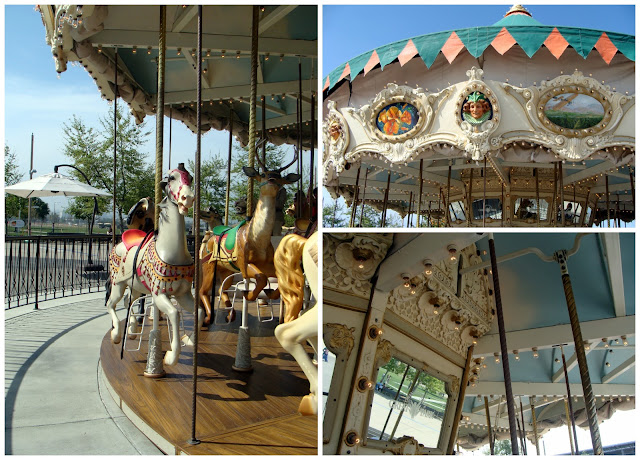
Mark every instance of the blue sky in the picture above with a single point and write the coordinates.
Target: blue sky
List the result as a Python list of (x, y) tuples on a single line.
[(38, 102), (344, 37)]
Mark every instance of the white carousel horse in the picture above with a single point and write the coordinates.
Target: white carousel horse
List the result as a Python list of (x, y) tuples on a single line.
[(163, 266), (299, 329)]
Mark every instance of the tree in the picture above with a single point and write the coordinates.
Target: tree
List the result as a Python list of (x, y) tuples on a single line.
[(334, 215), (40, 209), (13, 205), (499, 448), (92, 152), (213, 182)]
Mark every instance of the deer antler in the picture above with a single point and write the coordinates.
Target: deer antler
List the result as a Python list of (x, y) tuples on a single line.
[(257, 157), (295, 158)]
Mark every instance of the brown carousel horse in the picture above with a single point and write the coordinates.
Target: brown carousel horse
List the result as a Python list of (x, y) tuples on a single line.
[(160, 263), (247, 247), (296, 330)]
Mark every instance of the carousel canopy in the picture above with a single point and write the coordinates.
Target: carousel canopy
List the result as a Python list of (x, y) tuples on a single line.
[(517, 29), (553, 126), (287, 64)]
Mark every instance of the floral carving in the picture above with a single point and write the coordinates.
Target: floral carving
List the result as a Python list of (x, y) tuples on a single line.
[(341, 337), (384, 353)]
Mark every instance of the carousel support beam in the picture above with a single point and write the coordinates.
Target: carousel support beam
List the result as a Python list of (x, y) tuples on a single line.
[(612, 188), (621, 369), (606, 184), (488, 414), (409, 210), (386, 199), (599, 389), (590, 404), (589, 172), (503, 346), (227, 197), (575, 206), (274, 17), (243, 350), (421, 181), (184, 18), (354, 205), (633, 191), (162, 50), (568, 401), (613, 258), (552, 212), (535, 428), (196, 230), (463, 388)]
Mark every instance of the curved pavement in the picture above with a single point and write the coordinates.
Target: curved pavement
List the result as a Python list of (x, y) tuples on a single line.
[(55, 400)]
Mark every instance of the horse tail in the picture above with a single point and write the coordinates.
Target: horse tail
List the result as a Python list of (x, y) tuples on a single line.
[(287, 260)]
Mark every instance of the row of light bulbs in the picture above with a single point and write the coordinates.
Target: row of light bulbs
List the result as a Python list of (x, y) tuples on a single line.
[(587, 346)]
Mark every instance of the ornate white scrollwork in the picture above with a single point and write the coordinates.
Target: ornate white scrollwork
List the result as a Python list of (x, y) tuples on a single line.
[(335, 138), (477, 127), (349, 263), (341, 337)]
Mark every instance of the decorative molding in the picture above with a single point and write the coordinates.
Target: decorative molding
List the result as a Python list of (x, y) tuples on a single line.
[(459, 316), (406, 445), (341, 338), (572, 144), (335, 137), (384, 353), (475, 140), (350, 260)]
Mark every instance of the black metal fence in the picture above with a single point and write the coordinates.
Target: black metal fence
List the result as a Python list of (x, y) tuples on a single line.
[(39, 268)]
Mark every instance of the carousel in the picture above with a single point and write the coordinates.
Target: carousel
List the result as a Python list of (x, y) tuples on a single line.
[(190, 377), (516, 124), (448, 341)]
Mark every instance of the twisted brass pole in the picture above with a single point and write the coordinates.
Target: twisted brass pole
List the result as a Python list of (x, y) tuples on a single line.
[(162, 45), (589, 400), (535, 427), (252, 105)]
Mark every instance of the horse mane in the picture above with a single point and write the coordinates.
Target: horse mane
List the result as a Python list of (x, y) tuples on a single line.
[(287, 260)]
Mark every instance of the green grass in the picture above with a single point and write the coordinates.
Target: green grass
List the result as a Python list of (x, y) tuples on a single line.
[(45, 229), (394, 383)]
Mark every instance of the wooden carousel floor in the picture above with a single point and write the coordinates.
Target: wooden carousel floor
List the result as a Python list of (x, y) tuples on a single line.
[(237, 413)]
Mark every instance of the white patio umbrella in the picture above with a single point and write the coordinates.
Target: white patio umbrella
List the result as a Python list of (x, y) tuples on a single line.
[(53, 184)]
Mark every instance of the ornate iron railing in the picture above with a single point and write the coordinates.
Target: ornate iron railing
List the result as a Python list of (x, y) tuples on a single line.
[(39, 268)]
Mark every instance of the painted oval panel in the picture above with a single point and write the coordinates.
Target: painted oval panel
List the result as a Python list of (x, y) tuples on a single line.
[(574, 111), (398, 118)]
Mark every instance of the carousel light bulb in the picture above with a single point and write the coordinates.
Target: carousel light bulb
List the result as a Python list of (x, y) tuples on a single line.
[(608, 364), (222, 53), (453, 253), (535, 352), (497, 358), (545, 399), (428, 267), (606, 343), (405, 278), (148, 50), (624, 340), (516, 355), (587, 345), (134, 50), (413, 288), (179, 51)]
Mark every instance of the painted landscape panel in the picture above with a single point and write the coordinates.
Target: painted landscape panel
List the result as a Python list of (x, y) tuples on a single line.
[(574, 111)]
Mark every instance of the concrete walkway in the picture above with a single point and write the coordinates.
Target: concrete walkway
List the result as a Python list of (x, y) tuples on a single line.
[(55, 399)]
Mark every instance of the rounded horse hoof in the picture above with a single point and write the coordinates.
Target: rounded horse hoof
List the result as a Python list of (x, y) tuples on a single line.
[(171, 358), (231, 317), (308, 405), (115, 337)]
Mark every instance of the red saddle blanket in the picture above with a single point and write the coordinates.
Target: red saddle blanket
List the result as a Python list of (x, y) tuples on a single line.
[(132, 238)]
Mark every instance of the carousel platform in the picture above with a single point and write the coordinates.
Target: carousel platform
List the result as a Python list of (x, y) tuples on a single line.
[(238, 413)]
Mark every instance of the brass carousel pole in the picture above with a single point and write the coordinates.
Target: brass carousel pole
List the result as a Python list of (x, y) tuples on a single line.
[(311, 161), (535, 426), (589, 400), (503, 348), (567, 414), (583, 214), (170, 119), (470, 200), (535, 171), (243, 349), (419, 194), (364, 193), (486, 411), (115, 150), (409, 209), (561, 179), (524, 430), (227, 196), (575, 205), (606, 185), (554, 202), (162, 50), (196, 230), (502, 204), (356, 192), (264, 130), (299, 122), (463, 388), (633, 192), (386, 199), (484, 193), (570, 406), (449, 196)]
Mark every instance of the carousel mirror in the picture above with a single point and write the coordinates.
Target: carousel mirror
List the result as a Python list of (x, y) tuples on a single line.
[(528, 208), (492, 208), (407, 402)]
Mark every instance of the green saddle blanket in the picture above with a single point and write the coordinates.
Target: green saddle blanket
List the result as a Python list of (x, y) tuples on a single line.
[(230, 232)]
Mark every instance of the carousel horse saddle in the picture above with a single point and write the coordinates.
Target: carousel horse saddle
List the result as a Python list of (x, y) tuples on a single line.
[(132, 238), (230, 232)]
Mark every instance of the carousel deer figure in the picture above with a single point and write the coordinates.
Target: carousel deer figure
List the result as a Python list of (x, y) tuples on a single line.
[(159, 263), (296, 330), (252, 252)]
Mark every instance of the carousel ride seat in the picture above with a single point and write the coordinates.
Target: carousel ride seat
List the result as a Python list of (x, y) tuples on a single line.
[(230, 233)]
